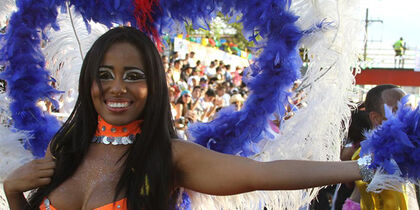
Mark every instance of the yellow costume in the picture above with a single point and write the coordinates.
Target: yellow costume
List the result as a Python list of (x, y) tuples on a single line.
[(386, 200)]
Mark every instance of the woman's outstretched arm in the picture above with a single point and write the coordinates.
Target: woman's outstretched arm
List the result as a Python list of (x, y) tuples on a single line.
[(215, 173)]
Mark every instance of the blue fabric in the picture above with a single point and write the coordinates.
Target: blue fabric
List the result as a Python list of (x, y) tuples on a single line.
[(398, 139)]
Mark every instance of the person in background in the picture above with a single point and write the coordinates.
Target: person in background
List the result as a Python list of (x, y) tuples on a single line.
[(193, 80), (207, 104), (359, 124), (237, 77), (186, 73), (237, 101), (211, 70), (165, 62), (222, 95), (228, 74), (199, 68), (220, 77), (174, 57), (192, 61), (176, 72), (376, 99), (183, 104), (399, 48), (203, 84)]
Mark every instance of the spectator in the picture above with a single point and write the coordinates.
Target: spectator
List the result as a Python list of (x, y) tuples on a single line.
[(399, 48), (191, 60), (186, 73), (358, 125), (219, 75), (199, 68), (228, 75), (193, 79), (208, 105), (221, 94), (176, 72), (236, 76), (237, 101), (211, 70), (174, 57), (203, 83), (183, 104)]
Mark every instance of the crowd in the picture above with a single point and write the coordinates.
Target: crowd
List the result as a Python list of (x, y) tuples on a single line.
[(197, 92)]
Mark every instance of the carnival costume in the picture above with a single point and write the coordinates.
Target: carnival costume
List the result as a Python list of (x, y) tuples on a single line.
[(327, 28)]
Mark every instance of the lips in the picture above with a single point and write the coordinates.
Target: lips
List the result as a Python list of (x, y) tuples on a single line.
[(118, 105)]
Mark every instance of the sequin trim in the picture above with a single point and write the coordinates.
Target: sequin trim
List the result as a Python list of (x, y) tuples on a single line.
[(114, 140)]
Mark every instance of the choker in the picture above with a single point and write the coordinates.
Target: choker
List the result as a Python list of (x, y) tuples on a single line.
[(116, 134)]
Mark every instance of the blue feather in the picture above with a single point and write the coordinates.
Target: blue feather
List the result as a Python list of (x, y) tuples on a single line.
[(397, 139)]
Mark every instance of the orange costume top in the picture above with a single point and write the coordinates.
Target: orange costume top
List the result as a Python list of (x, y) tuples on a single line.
[(119, 205), (110, 134)]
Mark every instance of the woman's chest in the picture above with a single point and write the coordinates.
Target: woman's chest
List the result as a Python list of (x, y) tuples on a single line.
[(92, 185)]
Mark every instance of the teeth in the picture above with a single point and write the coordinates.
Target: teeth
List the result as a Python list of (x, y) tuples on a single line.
[(117, 105)]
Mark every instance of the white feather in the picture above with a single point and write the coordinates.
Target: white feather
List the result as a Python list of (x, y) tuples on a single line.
[(12, 152), (316, 131), (63, 56), (5, 115), (7, 8)]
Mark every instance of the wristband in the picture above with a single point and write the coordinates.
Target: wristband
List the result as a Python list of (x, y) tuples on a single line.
[(366, 172)]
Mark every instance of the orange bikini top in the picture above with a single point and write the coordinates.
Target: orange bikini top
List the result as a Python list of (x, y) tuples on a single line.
[(118, 205)]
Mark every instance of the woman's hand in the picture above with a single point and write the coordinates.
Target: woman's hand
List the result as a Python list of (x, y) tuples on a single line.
[(32, 175)]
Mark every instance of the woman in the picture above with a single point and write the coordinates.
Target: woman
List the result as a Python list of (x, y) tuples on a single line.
[(183, 104), (119, 148)]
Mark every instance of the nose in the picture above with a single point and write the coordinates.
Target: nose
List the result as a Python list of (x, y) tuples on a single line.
[(118, 87)]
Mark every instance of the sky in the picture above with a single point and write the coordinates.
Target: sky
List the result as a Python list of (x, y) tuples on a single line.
[(401, 18)]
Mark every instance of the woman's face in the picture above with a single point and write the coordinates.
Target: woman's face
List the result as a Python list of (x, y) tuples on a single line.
[(123, 79), (186, 98)]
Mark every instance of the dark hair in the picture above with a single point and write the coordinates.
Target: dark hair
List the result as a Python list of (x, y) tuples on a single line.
[(197, 87), (374, 101), (358, 125), (151, 154), (210, 93)]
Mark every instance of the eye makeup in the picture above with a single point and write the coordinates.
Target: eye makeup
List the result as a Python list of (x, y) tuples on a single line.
[(105, 74), (130, 74), (134, 75)]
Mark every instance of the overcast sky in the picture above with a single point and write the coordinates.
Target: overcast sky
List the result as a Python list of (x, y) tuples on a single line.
[(401, 18)]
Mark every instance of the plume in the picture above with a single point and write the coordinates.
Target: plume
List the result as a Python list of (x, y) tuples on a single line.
[(8, 7), (65, 50)]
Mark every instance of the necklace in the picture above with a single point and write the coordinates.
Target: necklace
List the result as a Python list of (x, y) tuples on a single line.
[(116, 134)]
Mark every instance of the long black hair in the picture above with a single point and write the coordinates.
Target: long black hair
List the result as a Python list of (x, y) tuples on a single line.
[(149, 158)]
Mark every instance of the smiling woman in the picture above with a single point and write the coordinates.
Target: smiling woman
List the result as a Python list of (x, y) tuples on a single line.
[(123, 83), (118, 149)]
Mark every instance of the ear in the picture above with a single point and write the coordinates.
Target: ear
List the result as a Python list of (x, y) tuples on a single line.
[(375, 119)]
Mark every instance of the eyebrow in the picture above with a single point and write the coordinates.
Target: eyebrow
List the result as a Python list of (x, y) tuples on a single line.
[(126, 68)]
